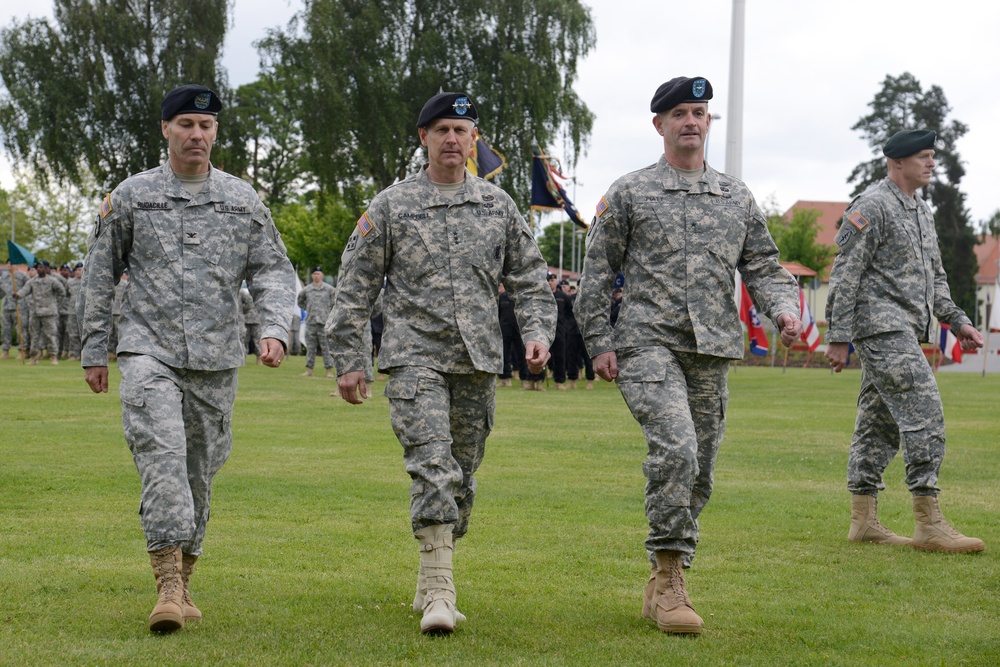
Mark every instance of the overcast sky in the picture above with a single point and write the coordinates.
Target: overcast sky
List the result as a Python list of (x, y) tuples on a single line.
[(811, 68)]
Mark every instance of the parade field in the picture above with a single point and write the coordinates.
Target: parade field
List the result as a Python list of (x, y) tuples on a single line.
[(309, 559)]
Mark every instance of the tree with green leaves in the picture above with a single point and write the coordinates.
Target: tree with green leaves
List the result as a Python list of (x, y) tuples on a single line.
[(796, 239), (264, 142), (11, 215), (60, 218), (991, 225), (315, 231), (358, 72), (83, 91), (902, 104)]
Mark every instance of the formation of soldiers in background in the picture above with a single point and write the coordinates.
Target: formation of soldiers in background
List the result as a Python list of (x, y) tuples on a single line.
[(46, 298), (39, 310)]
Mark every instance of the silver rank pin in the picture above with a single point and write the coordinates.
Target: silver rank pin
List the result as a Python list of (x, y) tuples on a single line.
[(462, 106)]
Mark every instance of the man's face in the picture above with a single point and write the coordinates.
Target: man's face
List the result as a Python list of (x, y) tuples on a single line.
[(918, 168), (553, 283), (78, 272), (189, 141), (684, 127), (317, 277), (448, 141)]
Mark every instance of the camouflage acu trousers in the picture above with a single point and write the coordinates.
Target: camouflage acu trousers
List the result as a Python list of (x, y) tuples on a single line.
[(8, 327), (442, 421), (177, 426), (679, 400), (899, 404), (316, 340), (45, 334)]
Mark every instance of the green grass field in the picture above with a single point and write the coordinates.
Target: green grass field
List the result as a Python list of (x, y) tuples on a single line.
[(309, 558)]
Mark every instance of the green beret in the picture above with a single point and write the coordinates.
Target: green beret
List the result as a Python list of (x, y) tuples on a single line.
[(679, 91), (908, 142), (447, 105), (190, 98)]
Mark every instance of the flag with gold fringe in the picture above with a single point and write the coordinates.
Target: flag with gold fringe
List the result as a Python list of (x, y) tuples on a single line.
[(484, 161), (547, 194)]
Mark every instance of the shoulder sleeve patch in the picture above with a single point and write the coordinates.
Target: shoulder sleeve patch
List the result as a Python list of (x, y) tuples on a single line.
[(602, 206), (365, 224), (858, 220), (106, 206)]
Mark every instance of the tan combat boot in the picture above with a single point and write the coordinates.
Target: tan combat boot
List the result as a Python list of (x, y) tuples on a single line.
[(329, 374), (34, 359), (421, 594), (648, 609), (168, 614), (5, 355), (191, 612), (865, 526), (671, 606), (933, 532), (53, 360), (308, 373), (436, 547)]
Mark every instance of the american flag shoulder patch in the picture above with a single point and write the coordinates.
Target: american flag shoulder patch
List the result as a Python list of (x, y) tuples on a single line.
[(106, 206), (365, 224), (858, 220), (602, 206)]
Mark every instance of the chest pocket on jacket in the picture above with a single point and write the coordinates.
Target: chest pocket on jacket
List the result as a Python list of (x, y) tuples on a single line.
[(418, 247), (222, 239)]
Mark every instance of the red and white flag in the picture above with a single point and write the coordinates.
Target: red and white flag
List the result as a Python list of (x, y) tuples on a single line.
[(810, 332), (950, 347)]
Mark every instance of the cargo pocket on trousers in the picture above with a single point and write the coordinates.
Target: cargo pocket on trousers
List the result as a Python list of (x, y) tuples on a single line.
[(133, 398), (401, 386)]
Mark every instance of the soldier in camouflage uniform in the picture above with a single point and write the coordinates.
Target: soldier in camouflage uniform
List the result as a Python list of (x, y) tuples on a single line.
[(72, 332), (316, 299), (9, 312), (887, 282), (46, 292), (678, 230), (443, 240), (189, 234)]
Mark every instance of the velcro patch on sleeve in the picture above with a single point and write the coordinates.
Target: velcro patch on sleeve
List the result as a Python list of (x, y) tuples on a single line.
[(602, 206), (365, 224), (106, 206), (858, 220)]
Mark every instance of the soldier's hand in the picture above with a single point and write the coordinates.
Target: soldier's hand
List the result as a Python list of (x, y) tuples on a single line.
[(606, 365), (969, 337), (791, 328), (272, 351), (536, 356), (836, 354), (353, 387), (97, 378)]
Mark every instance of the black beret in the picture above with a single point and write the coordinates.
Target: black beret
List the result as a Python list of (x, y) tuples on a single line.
[(317, 268), (680, 90), (190, 98), (447, 105), (908, 142)]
